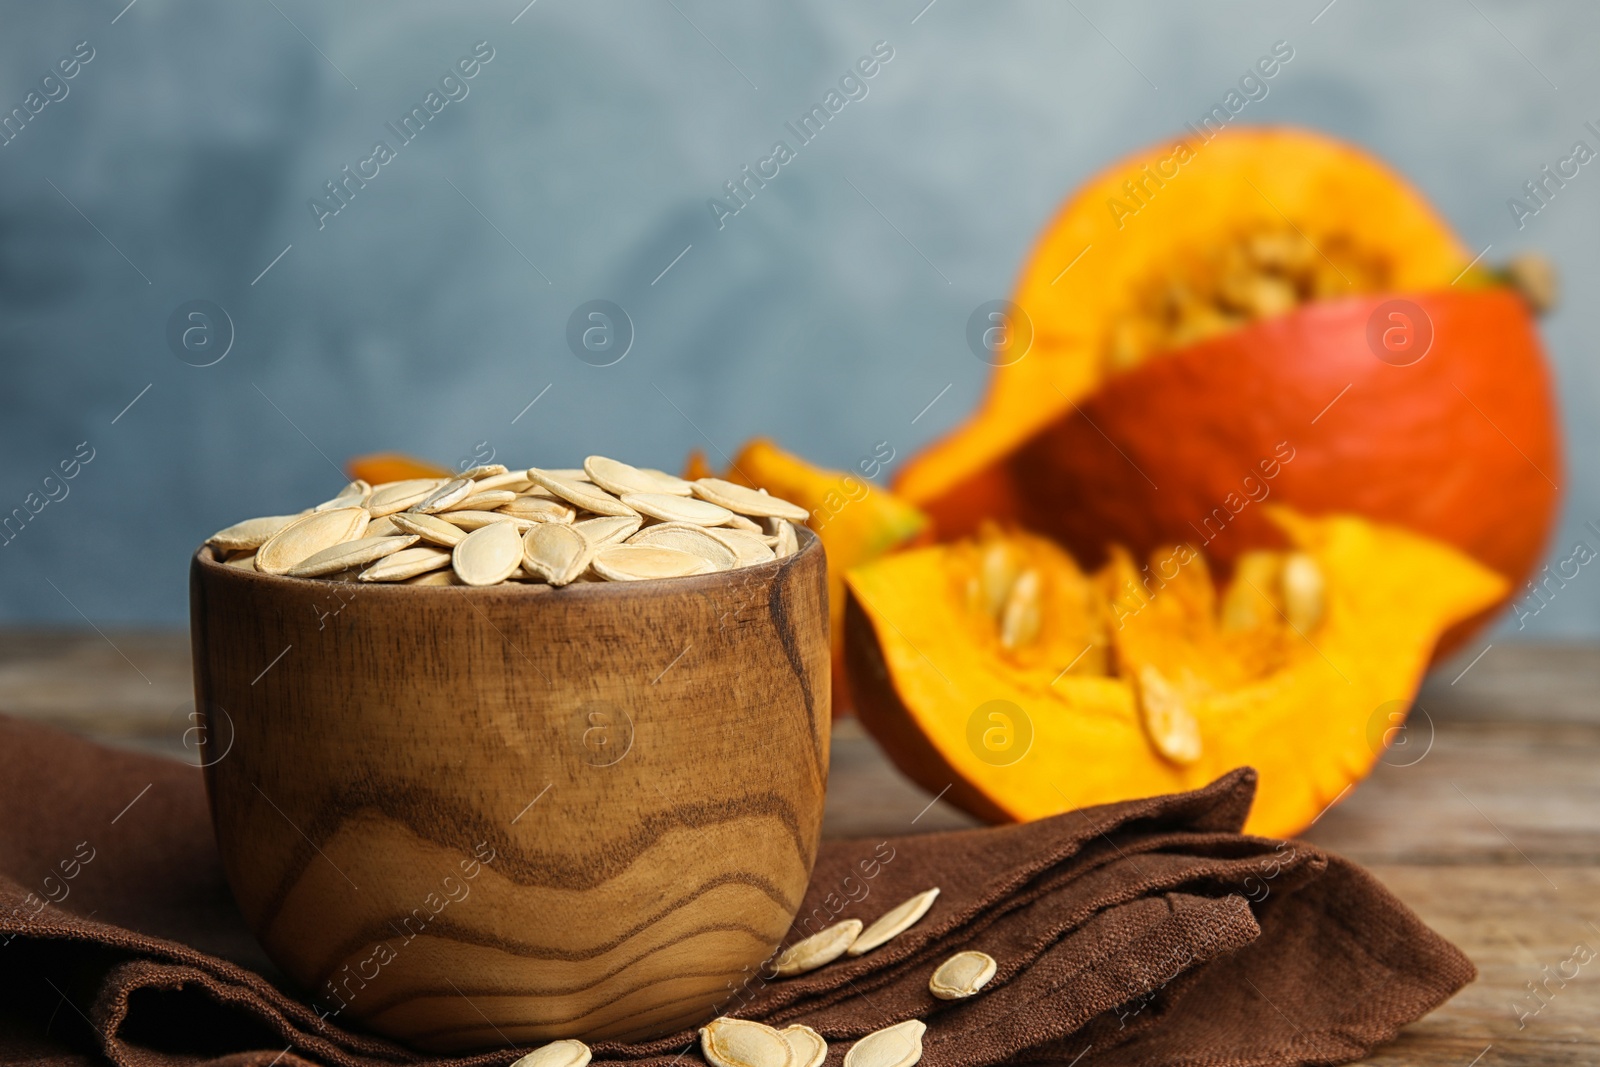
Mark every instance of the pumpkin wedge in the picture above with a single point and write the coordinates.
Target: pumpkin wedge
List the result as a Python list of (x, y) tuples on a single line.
[(1203, 308), (999, 670)]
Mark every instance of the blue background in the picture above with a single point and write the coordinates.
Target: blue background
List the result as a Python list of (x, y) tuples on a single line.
[(433, 308)]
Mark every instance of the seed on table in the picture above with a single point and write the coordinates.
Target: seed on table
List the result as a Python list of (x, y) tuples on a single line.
[(488, 555), (899, 1045), (820, 948), (747, 501), (556, 553), (251, 533), (617, 477), (307, 536), (729, 1042), (893, 922), (391, 497), (635, 563), (961, 975), (567, 1052), (406, 563), (585, 494), (350, 554), (669, 508), (430, 528), (806, 1047)]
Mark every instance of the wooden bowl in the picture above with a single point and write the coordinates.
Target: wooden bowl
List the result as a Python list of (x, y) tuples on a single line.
[(469, 817)]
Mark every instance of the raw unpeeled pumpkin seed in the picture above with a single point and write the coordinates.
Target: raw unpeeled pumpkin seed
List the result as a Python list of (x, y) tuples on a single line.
[(251, 533), (893, 922), (411, 531), (307, 536), (669, 508), (747, 501), (391, 497), (608, 529), (688, 538), (555, 552), (357, 553), (899, 1045), (406, 563), (1171, 726), (820, 948), (637, 563), (430, 528), (962, 975), (586, 495), (617, 477), (729, 1042), (489, 555), (806, 1047), (564, 1053)]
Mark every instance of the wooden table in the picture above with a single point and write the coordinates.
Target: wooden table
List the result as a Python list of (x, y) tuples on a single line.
[(1488, 823)]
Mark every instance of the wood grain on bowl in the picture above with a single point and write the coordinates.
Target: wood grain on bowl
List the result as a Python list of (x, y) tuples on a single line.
[(468, 817)]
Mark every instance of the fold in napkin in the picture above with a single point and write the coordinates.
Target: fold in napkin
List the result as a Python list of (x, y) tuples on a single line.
[(1141, 933)]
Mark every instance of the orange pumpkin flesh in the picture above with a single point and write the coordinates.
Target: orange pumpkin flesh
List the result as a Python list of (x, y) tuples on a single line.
[(1154, 387), (1302, 694)]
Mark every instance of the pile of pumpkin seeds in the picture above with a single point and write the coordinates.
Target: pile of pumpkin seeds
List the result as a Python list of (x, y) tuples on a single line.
[(730, 1042), (608, 521)]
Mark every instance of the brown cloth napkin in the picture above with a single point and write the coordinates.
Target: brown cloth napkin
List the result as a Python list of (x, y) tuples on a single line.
[(1141, 933)]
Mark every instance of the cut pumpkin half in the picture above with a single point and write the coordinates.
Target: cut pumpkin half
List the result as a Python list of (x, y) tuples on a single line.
[(997, 669)]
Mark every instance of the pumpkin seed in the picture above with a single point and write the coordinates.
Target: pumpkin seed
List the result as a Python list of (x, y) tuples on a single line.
[(245, 561), (585, 494), (961, 975), (669, 508), (343, 557), (686, 537), (634, 563), (486, 470), (440, 577), (1168, 722), (488, 555), (477, 520), (307, 536), (607, 529), (538, 509), (806, 1047), (406, 563), (788, 542), (353, 495), (899, 1045), (249, 534), (556, 553), (729, 1042), (748, 548), (619, 478), (820, 948), (391, 497), (516, 481), (564, 1053), (445, 497), (1023, 614), (1304, 591), (748, 501), (430, 528), (484, 501), (384, 527), (893, 922)]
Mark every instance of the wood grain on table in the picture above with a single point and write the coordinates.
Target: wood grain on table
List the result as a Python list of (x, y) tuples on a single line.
[(1486, 821)]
